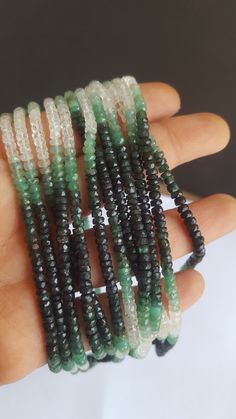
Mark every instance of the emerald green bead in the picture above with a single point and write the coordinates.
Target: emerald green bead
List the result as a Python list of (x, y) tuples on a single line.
[(172, 339), (89, 149), (99, 355), (79, 359), (21, 184), (86, 224), (143, 249), (68, 365), (121, 343), (72, 187), (54, 364)]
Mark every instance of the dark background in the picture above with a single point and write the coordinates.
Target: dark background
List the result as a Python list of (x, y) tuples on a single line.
[(50, 46)]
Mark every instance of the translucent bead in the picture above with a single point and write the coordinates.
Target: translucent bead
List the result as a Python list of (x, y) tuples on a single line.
[(90, 121), (65, 122), (8, 138), (164, 327), (103, 103), (22, 137), (137, 95), (175, 323), (38, 134), (53, 122)]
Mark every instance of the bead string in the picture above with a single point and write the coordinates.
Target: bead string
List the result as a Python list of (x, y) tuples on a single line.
[(125, 106), (83, 116), (123, 172), (123, 100), (63, 233), (32, 239), (117, 157)]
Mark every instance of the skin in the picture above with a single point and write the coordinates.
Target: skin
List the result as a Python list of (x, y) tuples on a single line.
[(182, 138)]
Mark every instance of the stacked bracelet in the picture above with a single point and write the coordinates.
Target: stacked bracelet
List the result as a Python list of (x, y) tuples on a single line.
[(123, 173)]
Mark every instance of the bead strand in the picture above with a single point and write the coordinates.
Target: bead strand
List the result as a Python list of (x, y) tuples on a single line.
[(26, 155), (128, 298), (186, 214), (82, 265), (97, 97), (125, 107), (63, 235), (33, 242), (158, 213), (83, 116), (123, 167), (138, 228), (124, 103), (47, 244), (124, 274)]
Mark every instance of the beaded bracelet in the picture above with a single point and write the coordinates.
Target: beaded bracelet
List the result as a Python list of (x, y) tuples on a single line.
[(123, 172)]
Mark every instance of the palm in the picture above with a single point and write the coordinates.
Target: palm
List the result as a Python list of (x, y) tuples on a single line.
[(182, 138)]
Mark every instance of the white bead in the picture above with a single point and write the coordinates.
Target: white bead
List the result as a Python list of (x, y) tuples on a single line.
[(38, 135), (130, 81), (130, 308), (66, 124), (164, 327), (175, 323), (91, 124), (8, 138), (53, 122), (22, 137)]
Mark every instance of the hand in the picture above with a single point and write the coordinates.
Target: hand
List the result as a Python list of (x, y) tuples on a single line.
[(182, 138)]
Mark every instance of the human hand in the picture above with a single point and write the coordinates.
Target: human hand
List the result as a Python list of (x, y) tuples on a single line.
[(182, 138)]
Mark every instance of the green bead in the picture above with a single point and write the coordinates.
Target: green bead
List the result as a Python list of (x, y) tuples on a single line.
[(72, 101), (86, 224), (99, 355), (72, 187), (110, 350), (79, 359), (21, 184), (121, 343), (143, 249), (68, 365), (155, 316), (89, 149), (172, 339), (54, 364)]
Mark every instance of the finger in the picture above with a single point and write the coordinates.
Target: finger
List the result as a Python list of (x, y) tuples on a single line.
[(22, 344), (162, 101), (9, 212), (188, 137), (216, 216), (190, 285)]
